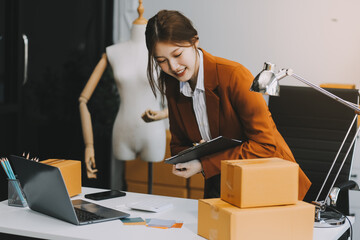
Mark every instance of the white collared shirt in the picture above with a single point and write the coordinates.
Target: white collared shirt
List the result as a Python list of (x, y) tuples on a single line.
[(199, 100)]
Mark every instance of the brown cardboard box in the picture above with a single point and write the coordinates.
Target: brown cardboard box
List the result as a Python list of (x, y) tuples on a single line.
[(196, 193), (197, 181), (137, 170), (259, 182), (71, 173), (162, 190), (163, 175), (219, 220), (337, 85), (137, 187), (163, 171)]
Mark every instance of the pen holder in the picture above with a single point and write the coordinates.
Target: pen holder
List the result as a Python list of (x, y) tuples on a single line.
[(16, 196)]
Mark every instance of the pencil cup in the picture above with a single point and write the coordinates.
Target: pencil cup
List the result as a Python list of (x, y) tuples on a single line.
[(16, 196)]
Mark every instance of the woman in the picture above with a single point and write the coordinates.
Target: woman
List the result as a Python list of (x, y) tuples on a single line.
[(208, 96)]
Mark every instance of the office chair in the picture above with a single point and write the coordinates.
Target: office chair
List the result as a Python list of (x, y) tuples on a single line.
[(314, 126)]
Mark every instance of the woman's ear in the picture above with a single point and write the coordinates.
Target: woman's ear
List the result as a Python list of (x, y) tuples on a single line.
[(196, 40)]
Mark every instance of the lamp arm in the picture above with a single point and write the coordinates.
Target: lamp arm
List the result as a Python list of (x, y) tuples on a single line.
[(289, 72), (335, 160), (354, 104), (342, 164)]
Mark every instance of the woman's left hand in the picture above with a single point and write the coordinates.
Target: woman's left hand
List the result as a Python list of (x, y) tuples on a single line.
[(187, 169), (152, 115)]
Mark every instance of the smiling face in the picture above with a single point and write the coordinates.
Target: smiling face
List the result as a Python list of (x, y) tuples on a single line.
[(179, 61)]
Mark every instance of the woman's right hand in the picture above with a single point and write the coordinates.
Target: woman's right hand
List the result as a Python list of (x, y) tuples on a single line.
[(90, 162)]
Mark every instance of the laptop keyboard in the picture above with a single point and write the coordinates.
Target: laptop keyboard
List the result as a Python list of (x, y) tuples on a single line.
[(84, 216)]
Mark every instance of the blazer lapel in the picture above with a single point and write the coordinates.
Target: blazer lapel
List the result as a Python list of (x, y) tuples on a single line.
[(189, 120), (211, 82)]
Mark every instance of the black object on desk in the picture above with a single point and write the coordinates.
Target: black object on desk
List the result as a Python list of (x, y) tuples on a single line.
[(105, 195), (215, 145)]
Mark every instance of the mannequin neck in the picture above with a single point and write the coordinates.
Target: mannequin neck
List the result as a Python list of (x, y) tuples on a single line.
[(138, 32)]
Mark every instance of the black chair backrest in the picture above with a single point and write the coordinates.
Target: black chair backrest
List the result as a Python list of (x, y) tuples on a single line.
[(314, 125)]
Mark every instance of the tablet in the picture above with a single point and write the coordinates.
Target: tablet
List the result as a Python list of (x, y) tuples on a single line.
[(213, 146)]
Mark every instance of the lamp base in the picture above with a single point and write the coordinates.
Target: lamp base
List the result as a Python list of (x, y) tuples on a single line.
[(329, 219)]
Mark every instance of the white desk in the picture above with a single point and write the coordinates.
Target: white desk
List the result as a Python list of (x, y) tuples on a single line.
[(23, 221)]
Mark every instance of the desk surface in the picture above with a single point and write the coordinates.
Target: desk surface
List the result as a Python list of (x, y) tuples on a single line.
[(23, 221)]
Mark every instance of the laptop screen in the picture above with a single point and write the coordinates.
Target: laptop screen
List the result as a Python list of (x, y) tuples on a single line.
[(46, 193), (44, 188)]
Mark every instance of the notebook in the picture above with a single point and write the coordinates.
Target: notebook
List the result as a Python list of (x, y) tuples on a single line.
[(46, 193)]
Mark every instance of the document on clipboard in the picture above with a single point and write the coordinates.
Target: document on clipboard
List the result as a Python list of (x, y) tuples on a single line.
[(214, 145)]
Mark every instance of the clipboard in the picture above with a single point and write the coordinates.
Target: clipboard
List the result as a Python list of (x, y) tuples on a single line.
[(217, 144)]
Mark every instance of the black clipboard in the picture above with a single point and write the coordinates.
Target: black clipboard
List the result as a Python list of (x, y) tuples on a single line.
[(217, 144)]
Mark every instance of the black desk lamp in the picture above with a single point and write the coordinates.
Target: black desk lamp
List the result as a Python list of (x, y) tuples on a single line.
[(267, 82)]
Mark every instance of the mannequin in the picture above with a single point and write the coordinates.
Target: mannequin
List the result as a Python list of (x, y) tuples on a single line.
[(132, 137)]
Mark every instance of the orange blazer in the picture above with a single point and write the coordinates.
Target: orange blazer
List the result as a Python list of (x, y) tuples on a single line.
[(234, 112)]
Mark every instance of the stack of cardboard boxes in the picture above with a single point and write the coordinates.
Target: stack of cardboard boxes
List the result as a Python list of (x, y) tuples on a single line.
[(164, 182), (259, 200)]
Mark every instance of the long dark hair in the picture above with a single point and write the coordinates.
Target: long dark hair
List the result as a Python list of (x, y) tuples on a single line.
[(166, 26)]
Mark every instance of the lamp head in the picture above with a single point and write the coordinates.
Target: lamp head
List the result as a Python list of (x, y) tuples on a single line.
[(266, 82)]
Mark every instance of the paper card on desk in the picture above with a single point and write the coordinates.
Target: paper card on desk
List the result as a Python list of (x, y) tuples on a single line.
[(133, 221), (213, 146), (177, 224), (151, 205), (160, 223)]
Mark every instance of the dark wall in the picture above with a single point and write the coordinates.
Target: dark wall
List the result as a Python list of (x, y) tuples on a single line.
[(41, 116)]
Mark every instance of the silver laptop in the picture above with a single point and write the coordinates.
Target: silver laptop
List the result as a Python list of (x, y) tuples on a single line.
[(46, 193)]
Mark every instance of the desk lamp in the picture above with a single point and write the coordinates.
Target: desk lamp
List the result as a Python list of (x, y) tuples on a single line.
[(267, 82)]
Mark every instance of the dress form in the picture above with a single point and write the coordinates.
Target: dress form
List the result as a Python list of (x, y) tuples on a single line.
[(131, 135)]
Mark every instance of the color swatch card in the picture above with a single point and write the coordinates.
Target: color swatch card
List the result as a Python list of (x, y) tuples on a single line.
[(133, 221)]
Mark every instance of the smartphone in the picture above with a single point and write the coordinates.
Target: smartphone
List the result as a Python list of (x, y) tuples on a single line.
[(105, 195)]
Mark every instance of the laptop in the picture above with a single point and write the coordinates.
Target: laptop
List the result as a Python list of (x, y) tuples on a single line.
[(46, 193)]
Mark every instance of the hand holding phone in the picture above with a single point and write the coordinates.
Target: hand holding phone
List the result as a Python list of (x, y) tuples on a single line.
[(105, 195)]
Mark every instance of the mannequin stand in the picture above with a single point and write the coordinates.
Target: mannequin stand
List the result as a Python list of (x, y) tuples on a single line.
[(150, 177)]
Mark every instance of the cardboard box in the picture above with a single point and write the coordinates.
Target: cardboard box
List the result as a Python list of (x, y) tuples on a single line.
[(197, 181), (220, 220), (196, 193), (71, 173), (162, 190), (337, 85), (162, 174), (259, 182), (137, 170)]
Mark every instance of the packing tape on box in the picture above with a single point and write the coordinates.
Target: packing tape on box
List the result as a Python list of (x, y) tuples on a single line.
[(213, 234), (215, 212), (53, 161), (230, 176)]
